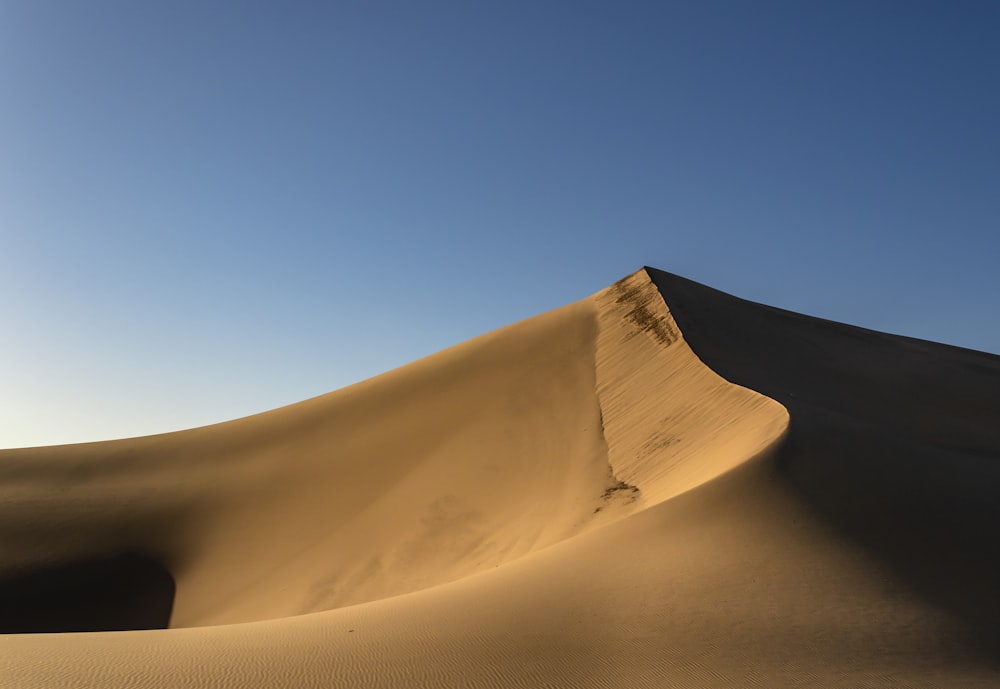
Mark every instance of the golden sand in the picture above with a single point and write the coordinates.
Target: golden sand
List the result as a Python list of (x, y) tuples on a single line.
[(576, 500)]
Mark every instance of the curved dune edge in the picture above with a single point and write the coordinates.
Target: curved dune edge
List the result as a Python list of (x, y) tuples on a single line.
[(453, 465), (670, 422), (653, 553)]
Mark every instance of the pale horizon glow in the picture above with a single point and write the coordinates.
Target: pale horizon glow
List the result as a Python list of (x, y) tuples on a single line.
[(208, 211)]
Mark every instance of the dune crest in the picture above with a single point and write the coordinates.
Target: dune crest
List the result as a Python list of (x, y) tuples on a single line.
[(670, 422)]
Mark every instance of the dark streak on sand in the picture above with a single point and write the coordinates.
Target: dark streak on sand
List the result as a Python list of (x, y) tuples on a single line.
[(641, 313)]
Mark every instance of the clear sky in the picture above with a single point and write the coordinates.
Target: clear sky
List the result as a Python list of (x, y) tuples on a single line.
[(211, 209)]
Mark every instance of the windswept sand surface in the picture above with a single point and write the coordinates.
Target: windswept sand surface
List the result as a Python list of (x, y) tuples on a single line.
[(611, 494)]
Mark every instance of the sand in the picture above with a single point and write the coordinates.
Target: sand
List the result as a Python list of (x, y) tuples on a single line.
[(656, 486)]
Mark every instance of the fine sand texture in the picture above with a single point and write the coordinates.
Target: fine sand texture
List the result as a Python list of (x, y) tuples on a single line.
[(657, 486)]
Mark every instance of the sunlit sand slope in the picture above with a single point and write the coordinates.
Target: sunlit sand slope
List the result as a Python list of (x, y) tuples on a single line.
[(573, 501), (670, 422), (455, 464)]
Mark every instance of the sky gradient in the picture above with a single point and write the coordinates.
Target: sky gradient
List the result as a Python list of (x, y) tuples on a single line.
[(212, 209)]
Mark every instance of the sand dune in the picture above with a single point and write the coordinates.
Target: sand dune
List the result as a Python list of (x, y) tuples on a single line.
[(610, 494)]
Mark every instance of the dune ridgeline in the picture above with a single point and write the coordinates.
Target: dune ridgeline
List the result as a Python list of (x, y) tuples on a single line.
[(658, 486)]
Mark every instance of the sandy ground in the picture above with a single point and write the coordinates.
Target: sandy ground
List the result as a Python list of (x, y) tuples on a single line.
[(610, 494)]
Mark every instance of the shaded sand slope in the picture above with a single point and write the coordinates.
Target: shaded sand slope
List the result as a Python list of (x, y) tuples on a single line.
[(894, 442), (641, 524)]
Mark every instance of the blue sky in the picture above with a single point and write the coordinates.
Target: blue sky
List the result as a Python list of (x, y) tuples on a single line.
[(211, 209)]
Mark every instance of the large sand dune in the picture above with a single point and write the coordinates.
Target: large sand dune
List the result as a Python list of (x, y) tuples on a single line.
[(611, 494)]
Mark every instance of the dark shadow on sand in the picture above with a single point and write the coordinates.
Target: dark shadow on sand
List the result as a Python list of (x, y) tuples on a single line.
[(124, 591), (893, 441)]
